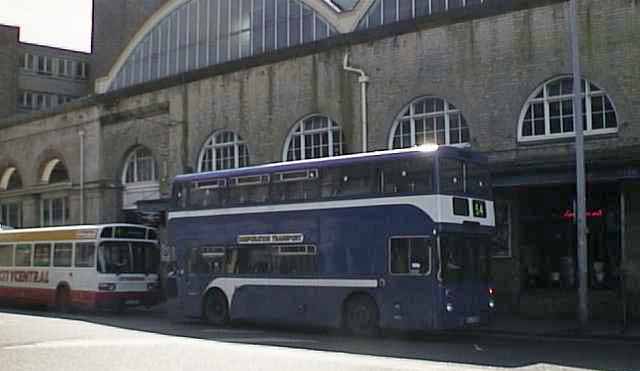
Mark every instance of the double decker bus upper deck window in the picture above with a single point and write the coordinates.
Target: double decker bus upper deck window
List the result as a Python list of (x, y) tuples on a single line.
[(478, 180), (180, 196), (464, 177), (413, 176), (208, 193), (452, 176), (248, 189), (295, 186), (355, 180)]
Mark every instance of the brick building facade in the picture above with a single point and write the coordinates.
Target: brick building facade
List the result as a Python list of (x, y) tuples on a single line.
[(497, 70)]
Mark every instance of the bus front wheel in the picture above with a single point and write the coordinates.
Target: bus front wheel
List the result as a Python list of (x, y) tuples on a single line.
[(63, 300), (216, 308), (361, 316)]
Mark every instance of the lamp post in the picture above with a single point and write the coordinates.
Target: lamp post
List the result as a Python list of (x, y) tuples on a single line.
[(81, 133), (581, 222)]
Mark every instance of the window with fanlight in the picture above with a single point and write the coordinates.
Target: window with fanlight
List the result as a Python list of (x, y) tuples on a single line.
[(429, 120), (223, 150), (548, 113), (140, 178), (313, 137), (140, 167)]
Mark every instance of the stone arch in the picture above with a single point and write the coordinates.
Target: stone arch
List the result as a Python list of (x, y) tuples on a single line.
[(54, 171), (10, 179)]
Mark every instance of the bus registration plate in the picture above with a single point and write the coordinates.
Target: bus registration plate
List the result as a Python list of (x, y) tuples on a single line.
[(132, 302), (472, 320)]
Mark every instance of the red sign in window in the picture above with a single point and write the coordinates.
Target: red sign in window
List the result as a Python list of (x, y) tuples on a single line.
[(570, 215)]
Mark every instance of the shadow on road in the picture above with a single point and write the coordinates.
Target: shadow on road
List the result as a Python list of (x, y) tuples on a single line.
[(463, 348)]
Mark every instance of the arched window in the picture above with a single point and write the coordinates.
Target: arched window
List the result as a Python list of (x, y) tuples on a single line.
[(10, 180), (192, 34), (223, 150), (140, 178), (429, 120), (390, 11), (314, 137), (55, 172), (548, 112), (140, 167)]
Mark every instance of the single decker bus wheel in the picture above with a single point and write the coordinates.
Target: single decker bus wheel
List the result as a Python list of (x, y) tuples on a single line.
[(216, 309), (361, 316), (63, 300)]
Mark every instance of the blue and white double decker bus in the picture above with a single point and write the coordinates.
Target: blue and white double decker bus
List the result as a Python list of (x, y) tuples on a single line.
[(391, 239)]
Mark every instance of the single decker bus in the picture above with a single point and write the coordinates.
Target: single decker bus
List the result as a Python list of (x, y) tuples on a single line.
[(109, 266), (393, 239)]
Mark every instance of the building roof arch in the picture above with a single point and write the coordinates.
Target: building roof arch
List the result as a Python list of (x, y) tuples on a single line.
[(336, 22)]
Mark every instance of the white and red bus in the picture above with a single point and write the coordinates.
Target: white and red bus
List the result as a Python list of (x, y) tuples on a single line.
[(110, 266)]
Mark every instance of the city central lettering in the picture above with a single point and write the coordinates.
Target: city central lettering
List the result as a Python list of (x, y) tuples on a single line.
[(24, 276)]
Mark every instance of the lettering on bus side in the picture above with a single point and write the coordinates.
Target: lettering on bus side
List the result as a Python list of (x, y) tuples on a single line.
[(24, 276)]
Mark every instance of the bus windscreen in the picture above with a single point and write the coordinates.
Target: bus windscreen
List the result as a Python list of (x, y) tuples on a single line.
[(464, 259), (125, 257)]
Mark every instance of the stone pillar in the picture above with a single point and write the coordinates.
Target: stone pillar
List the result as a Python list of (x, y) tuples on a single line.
[(31, 211), (505, 262)]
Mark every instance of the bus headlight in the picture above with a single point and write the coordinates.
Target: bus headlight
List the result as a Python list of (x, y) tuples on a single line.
[(106, 286), (449, 307)]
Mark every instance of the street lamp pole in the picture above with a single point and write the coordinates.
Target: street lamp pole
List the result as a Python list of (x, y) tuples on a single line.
[(81, 133), (581, 223)]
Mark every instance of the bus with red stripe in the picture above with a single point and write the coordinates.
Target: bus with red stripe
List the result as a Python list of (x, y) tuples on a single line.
[(110, 266)]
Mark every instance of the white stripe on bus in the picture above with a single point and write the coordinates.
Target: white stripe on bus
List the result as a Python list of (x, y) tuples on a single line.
[(438, 207), (229, 285)]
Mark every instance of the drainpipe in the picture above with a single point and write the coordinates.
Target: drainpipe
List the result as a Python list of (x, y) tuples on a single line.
[(81, 134), (363, 80)]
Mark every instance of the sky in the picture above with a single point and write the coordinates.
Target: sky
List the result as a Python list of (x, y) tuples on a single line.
[(60, 23)]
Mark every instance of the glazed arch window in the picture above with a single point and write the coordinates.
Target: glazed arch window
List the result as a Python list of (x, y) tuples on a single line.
[(223, 150), (10, 179), (313, 137), (140, 167), (548, 113), (55, 172), (429, 120)]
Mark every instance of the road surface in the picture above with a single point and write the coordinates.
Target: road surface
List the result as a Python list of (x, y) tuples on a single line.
[(147, 340)]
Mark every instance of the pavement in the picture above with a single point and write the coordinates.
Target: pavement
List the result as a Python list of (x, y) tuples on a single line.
[(505, 324)]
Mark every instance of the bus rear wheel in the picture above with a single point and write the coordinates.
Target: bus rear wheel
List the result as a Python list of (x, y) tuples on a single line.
[(63, 300), (216, 308), (361, 316)]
